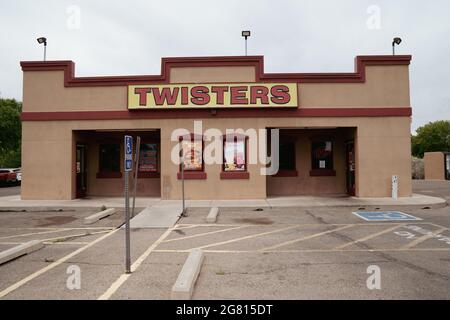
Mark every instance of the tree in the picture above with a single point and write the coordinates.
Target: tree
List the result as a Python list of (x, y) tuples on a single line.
[(10, 133), (434, 136)]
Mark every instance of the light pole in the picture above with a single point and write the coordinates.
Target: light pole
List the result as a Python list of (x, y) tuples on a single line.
[(396, 41), (246, 34), (44, 41)]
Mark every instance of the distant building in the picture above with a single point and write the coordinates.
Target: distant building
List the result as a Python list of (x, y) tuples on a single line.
[(437, 165)]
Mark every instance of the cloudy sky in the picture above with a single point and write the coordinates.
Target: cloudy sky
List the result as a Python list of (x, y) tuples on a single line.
[(130, 37)]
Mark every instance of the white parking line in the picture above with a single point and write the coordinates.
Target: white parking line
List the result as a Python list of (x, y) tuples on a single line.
[(75, 235), (124, 277), (244, 238), (53, 265), (303, 250), (423, 238), (305, 238), (371, 236), (204, 234), (34, 233)]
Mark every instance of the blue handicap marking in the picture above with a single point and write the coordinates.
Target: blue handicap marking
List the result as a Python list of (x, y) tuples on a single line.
[(385, 216)]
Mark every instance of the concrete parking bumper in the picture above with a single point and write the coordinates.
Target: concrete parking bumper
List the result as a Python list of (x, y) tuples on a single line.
[(20, 250), (99, 215), (184, 286)]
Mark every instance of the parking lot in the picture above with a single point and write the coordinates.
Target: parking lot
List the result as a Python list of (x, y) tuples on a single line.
[(250, 253)]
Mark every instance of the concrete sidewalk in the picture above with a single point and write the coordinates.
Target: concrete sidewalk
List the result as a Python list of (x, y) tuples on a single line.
[(157, 216), (417, 200), (90, 202)]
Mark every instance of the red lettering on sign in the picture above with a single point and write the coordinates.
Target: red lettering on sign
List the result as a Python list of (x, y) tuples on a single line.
[(165, 96), (238, 95), (184, 95), (220, 93), (200, 95), (259, 92), (142, 92), (280, 94)]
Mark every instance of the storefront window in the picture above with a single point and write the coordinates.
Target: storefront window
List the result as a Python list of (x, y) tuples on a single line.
[(234, 155), (287, 155), (192, 151), (322, 155), (148, 157), (109, 157)]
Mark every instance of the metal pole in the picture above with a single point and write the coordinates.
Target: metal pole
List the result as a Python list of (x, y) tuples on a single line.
[(138, 149), (393, 48), (182, 181), (245, 45), (45, 51), (127, 226)]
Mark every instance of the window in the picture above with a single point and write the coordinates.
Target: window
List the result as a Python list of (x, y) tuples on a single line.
[(109, 161), (192, 157), (322, 158), (287, 155), (148, 160), (234, 157)]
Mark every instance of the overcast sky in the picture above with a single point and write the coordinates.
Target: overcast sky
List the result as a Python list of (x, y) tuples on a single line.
[(130, 37)]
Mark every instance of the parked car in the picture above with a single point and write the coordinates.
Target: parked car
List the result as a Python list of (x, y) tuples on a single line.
[(18, 172), (7, 176)]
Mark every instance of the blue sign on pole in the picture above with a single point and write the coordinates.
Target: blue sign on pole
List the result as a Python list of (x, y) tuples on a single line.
[(128, 153), (385, 216)]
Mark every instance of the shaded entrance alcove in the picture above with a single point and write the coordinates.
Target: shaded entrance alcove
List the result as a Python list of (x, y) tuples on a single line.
[(98, 165), (315, 161)]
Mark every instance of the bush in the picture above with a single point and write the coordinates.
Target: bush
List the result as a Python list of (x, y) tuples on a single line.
[(418, 171)]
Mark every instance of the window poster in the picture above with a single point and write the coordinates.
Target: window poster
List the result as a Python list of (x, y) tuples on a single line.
[(322, 155), (148, 159), (192, 155), (234, 156)]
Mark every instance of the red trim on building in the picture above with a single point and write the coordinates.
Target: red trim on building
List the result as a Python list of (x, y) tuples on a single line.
[(226, 113), (193, 175), (234, 175), (255, 61), (146, 175)]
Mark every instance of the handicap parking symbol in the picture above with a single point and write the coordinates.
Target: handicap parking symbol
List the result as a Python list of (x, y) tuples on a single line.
[(385, 216)]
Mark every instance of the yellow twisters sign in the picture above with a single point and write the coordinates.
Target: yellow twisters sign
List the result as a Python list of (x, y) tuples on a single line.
[(239, 95)]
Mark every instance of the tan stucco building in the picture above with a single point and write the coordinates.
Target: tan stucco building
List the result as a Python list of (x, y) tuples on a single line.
[(339, 133), (437, 165)]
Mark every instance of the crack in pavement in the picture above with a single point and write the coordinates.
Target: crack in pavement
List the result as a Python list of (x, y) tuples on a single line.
[(312, 215)]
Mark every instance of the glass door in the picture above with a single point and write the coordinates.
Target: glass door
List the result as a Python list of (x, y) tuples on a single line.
[(81, 170), (350, 164)]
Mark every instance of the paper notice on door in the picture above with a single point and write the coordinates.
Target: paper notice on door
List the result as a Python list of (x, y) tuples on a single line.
[(322, 164), (328, 146)]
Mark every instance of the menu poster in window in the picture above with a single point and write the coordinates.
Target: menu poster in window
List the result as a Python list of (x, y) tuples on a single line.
[(192, 155), (148, 160), (234, 156)]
